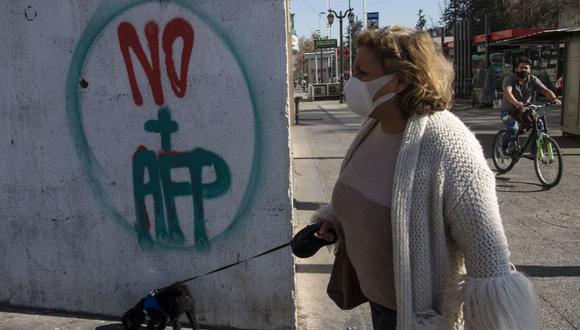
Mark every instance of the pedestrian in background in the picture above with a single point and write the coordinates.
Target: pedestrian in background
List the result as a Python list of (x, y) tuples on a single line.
[(415, 207)]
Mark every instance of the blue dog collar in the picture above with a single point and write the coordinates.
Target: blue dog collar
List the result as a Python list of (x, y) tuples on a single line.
[(151, 303)]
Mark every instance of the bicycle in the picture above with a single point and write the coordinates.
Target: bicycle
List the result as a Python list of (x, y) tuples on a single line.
[(547, 159)]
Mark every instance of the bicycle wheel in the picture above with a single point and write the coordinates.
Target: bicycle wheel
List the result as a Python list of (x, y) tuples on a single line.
[(502, 162), (548, 162)]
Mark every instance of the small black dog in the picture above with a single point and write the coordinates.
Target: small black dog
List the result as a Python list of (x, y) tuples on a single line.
[(169, 302)]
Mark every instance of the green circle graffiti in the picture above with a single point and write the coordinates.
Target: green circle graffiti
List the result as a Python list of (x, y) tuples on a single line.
[(91, 166)]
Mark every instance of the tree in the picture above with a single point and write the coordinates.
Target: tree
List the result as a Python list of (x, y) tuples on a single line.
[(503, 14), (316, 35), (457, 10), (454, 11), (421, 21), (534, 13), (306, 45), (357, 28)]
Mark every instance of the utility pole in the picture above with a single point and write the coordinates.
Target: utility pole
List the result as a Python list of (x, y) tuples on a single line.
[(487, 32), (329, 26), (349, 46), (316, 67), (321, 68), (442, 38), (336, 62), (341, 16), (364, 5)]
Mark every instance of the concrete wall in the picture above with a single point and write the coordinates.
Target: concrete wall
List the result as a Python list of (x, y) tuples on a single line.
[(571, 106), (145, 142)]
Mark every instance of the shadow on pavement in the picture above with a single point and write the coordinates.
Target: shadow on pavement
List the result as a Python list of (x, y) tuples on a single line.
[(486, 140), (549, 271), (567, 141), (351, 129), (505, 184), (320, 158), (49, 312), (307, 206), (314, 268), (110, 327), (309, 119), (120, 326)]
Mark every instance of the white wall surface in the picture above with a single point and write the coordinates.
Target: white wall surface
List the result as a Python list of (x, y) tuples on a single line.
[(71, 237)]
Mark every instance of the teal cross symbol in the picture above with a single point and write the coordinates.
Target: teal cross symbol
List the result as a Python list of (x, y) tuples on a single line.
[(164, 126)]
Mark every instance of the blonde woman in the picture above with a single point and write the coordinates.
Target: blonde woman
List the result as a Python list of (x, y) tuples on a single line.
[(415, 204)]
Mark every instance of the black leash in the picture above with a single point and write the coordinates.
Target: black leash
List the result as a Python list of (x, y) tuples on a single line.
[(237, 263)]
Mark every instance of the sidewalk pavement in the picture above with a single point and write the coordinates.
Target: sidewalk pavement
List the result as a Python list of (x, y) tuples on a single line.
[(30, 319), (543, 226)]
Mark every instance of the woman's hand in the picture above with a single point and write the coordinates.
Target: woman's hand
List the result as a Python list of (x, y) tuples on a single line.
[(326, 231)]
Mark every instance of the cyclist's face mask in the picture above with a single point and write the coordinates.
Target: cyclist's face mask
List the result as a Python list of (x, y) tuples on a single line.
[(522, 74), (523, 71)]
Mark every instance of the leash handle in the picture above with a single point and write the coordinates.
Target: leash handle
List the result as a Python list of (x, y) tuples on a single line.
[(237, 263)]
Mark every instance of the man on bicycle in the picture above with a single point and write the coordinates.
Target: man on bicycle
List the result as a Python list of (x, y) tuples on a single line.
[(518, 90)]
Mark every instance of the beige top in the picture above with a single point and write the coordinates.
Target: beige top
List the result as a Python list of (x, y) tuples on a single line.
[(361, 201), (372, 166)]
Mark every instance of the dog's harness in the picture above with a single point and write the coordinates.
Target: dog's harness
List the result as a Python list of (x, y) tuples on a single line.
[(151, 303)]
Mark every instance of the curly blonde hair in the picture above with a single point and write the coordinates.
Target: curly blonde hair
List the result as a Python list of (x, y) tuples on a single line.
[(413, 55)]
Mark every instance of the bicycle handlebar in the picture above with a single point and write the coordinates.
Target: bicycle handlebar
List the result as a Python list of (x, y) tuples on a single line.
[(538, 106)]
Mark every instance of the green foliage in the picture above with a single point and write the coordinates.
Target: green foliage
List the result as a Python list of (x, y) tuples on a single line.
[(421, 21), (475, 10), (306, 45), (316, 35), (535, 13), (356, 29), (503, 14)]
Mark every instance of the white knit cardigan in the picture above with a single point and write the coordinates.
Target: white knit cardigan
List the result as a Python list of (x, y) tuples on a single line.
[(445, 220)]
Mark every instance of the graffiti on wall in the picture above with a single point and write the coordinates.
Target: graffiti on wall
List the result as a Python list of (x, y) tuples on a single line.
[(129, 40), (164, 190), (158, 166), (166, 68)]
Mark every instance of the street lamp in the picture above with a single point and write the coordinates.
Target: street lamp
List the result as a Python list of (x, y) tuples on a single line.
[(341, 16), (320, 36)]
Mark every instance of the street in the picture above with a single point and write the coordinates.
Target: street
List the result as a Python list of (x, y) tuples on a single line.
[(543, 226)]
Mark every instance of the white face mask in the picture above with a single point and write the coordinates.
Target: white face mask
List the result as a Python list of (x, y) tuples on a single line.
[(359, 94)]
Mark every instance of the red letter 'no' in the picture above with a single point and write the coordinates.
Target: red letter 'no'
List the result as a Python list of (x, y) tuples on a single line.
[(128, 39)]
